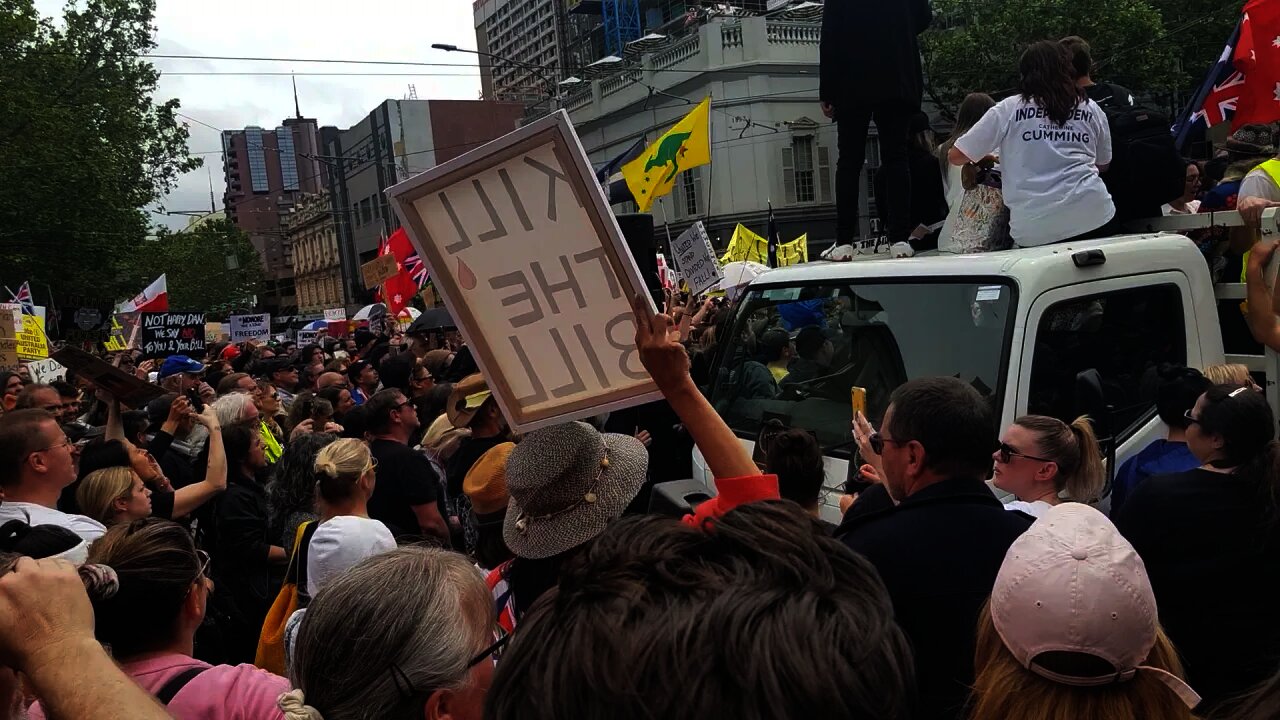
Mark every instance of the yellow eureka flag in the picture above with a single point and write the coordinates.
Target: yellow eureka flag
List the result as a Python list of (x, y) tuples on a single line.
[(686, 145)]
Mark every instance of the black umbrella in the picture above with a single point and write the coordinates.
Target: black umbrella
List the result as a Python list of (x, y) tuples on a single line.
[(430, 320)]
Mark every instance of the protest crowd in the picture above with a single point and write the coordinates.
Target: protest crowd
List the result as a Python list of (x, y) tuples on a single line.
[(350, 528)]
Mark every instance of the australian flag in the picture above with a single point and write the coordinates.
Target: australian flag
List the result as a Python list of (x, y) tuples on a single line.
[(609, 175), (1215, 102), (23, 298)]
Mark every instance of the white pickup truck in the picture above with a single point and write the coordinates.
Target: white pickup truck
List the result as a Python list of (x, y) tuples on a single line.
[(1063, 330)]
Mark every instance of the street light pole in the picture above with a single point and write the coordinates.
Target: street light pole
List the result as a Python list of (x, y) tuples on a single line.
[(535, 69)]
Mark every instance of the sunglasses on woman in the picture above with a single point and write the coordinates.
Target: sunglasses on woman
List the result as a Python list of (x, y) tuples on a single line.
[(1009, 452)]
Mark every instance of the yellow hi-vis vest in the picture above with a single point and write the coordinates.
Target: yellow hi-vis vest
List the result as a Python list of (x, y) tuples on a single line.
[(270, 446), (1272, 169)]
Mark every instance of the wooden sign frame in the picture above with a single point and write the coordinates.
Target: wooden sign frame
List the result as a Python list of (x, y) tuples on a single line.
[(557, 130)]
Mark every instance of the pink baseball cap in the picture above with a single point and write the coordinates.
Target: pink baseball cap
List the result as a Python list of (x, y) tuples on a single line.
[(1072, 584)]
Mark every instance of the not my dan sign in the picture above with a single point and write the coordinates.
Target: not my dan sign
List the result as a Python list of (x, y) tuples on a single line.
[(172, 333), (533, 266)]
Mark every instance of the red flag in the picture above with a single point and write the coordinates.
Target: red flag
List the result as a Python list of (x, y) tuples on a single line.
[(399, 290), (154, 299), (1245, 54), (1258, 56)]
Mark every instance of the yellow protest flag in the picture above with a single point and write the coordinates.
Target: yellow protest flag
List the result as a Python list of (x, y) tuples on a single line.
[(794, 252), (686, 145)]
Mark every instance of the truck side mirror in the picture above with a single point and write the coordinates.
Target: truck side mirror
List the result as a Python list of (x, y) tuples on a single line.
[(1091, 401)]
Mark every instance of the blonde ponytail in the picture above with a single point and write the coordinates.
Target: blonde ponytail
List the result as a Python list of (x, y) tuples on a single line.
[(1086, 483), (293, 705), (1074, 449)]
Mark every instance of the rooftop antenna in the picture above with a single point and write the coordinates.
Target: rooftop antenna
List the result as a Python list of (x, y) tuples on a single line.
[(413, 92), (297, 111)]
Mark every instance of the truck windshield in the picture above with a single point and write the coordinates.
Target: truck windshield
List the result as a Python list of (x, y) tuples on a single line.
[(794, 353)]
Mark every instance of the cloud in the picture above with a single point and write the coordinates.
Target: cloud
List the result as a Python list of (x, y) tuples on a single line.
[(385, 30)]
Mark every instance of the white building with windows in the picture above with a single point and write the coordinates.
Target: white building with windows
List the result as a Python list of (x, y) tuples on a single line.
[(770, 141)]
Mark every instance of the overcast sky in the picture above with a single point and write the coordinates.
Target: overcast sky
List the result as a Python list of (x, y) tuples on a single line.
[(388, 30)]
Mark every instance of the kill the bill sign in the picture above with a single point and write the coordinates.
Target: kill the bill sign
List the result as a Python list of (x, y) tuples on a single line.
[(531, 263)]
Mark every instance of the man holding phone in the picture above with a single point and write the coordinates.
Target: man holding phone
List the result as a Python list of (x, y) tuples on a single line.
[(180, 374)]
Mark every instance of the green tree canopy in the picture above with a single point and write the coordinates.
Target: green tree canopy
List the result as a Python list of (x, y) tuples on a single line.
[(83, 146), (212, 267), (974, 45)]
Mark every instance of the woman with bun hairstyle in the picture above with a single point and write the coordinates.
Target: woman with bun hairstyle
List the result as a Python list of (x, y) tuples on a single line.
[(149, 624), (346, 535), (1042, 459)]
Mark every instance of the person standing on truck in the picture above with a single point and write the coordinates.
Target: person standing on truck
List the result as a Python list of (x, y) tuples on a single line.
[(974, 106), (1105, 94), (933, 529), (870, 68), (1260, 188), (1052, 141)]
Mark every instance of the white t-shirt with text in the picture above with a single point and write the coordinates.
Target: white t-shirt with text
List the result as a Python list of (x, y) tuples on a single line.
[(1049, 173), (86, 527)]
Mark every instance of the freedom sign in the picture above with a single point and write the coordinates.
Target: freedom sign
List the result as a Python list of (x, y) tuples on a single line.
[(532, 265), (250, 327)]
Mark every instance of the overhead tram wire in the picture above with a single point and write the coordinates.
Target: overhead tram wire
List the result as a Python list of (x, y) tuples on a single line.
[(440, 148)]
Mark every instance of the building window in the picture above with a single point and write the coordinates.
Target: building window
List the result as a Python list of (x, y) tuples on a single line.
[(288, 158), (257, 159), (687, 198), (355, 214), (807, 172), (802, 148), (366, 211)]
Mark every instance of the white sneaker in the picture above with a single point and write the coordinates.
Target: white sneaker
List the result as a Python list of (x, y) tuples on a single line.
[(839, 253), (902, 250)]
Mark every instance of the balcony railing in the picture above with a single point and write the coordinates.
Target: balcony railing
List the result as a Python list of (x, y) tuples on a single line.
[(731, 36), (684, 49), (793, 33), (619, 81)]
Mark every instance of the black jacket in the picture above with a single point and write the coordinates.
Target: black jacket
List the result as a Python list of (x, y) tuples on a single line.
[(240, 545), (1212, 554), (938, 553), (870, 54)]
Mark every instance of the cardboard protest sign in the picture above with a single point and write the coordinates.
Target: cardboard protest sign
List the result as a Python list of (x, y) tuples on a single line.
[(379, 270), (32, 343), (696, 259), (531, 264), (335, 315), (212, 332), (46, 371), (307, 337), (172, 333), (250, 327), (127, 388), (125, 330), (8, 342)]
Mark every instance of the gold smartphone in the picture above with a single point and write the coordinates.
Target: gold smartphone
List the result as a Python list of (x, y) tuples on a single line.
[(859, 399)]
